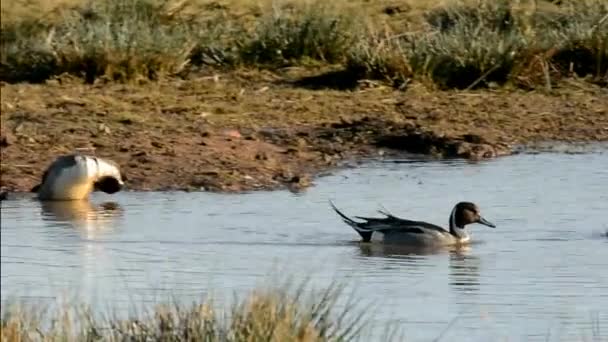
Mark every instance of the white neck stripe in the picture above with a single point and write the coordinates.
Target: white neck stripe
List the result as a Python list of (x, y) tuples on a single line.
[(453, 219)]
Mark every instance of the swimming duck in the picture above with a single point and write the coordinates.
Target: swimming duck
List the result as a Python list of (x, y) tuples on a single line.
[(392, 229), (75, 176)]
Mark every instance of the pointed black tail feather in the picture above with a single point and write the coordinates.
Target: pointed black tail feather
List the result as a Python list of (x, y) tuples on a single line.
[(344, 217), (365, 235)]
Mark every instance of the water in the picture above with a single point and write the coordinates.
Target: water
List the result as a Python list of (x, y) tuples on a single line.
[(542, 274)]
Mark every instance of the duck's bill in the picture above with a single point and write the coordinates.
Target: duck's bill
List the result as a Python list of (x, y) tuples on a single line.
[(486, 222)]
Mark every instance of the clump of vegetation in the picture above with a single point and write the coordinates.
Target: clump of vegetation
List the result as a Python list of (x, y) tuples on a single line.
[(380, 56), (474, 45), (581, 42), (299, 33), (119, 40), (471, 46), (277, 314)]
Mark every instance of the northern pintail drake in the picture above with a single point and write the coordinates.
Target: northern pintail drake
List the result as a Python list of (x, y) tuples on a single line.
[(75, 176), (392, 229)]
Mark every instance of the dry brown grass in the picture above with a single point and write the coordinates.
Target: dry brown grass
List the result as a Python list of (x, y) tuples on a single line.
[(276, 314), (454, 44)]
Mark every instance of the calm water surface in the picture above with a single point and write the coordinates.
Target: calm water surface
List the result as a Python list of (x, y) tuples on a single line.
[(541, 275)]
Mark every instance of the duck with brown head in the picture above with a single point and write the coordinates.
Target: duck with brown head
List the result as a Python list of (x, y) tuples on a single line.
[(75, 176), (392, 229)]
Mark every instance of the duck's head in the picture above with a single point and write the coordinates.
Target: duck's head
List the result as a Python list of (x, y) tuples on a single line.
[(109, 184), (465, 213)]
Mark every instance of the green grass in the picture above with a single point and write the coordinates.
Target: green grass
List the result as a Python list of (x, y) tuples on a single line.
[(460, 46), (278, 314)]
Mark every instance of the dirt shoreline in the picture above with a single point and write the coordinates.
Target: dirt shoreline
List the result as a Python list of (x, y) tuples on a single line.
[(251, 130)]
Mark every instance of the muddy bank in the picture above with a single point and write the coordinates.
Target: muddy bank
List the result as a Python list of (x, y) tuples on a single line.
[(237, 160), (251, 130)]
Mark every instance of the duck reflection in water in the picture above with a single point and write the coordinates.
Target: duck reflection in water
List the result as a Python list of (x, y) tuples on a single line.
[(464, 272), (464, 268), (88, 218), (371, 249)]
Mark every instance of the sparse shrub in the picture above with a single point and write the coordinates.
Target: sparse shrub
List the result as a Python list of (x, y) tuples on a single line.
[(380, 56), (466, 55), (295, 33), (472, 46)]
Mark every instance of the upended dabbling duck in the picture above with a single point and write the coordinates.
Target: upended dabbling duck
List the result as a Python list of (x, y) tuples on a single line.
[(75, 176), (392, 229)]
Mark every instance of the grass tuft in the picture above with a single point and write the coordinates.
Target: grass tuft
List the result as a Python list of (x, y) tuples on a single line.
[(381, 56), (295, 33), (273, 314)]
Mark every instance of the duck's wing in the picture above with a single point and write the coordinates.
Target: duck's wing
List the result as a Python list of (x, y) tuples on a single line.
[(393, 223), (384, 224)]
